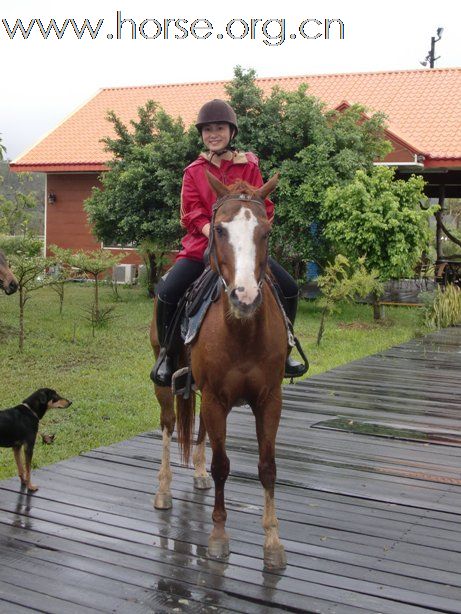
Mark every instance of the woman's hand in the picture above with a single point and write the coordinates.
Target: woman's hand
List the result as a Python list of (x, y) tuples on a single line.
[(206, 230)]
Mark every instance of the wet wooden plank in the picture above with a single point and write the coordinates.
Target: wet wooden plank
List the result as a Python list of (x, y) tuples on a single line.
[(357, 483), (370, 525), (305, 522)]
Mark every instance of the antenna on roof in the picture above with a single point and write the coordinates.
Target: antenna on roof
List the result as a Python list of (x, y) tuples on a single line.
[(430, 57)]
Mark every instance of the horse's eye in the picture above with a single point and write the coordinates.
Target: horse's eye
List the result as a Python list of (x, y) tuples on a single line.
[(219, 231), (266, 236)]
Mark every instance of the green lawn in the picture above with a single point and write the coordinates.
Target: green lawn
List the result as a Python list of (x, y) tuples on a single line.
[(107, 377)]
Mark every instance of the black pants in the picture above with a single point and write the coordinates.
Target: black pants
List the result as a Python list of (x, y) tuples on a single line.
[(186, 271)]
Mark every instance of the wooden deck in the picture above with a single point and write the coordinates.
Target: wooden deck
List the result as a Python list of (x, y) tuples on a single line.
[(370, 519)]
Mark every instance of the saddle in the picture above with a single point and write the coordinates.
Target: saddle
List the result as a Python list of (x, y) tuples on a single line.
[(204, 291)]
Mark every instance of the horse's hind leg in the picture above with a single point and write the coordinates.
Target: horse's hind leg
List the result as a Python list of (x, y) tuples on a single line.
[(267, 421), (202, 480), (163, 499)]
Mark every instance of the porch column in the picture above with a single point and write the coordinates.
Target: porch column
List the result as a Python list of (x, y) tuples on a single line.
[(438, 218)]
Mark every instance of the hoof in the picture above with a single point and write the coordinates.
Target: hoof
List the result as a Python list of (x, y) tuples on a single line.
[(218, 548), (32, 488), (163, 501), (203, 482), (275, 558)]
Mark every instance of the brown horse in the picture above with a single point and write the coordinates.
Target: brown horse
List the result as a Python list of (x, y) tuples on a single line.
[(8, 282), (239, 355)]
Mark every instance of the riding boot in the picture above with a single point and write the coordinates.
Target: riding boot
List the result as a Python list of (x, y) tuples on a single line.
[(293, 368), (163, 369)]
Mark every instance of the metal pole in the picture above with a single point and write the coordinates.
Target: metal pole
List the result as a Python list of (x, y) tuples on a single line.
[(432, 53)]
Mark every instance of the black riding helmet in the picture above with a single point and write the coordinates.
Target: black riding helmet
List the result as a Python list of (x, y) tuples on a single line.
[(216, 111)]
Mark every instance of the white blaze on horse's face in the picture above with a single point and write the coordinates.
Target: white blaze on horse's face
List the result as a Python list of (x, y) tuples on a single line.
[(240, 232)]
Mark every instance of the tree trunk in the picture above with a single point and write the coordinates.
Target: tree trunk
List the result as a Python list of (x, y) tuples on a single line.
[(61, 298), (322, 326), (21, 318), (378, 309), (96, 299), (152, 274)]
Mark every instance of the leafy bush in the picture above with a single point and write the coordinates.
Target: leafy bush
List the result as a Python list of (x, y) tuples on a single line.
[(445, 309), (343, 281), (381, 219), (21, 246)]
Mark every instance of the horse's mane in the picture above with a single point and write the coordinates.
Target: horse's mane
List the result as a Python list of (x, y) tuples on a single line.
[(242, 187)]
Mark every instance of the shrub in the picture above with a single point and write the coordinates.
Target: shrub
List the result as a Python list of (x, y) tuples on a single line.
[(445, 309)]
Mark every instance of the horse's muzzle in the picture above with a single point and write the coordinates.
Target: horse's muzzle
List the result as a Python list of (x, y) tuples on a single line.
[(9, 288), (244, 310)]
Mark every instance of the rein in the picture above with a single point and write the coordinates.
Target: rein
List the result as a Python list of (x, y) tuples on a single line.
[(211, 242)]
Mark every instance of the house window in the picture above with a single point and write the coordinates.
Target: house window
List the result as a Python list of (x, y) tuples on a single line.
[(122, 246)]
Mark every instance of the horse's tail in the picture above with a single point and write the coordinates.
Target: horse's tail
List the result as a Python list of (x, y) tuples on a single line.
[(185, 415)]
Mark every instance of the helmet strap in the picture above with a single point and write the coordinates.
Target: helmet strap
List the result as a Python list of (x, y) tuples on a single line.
[(221, 151)]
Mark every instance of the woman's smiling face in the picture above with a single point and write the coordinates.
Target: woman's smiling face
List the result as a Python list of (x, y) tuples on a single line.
[(216, 136)]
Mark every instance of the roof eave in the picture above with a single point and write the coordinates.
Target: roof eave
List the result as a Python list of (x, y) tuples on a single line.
[(71, 167), (448, 163)]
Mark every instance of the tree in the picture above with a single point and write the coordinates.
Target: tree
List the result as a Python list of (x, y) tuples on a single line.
[(139, 201), (342, 281), (313, 149), (2, 149), (451, 229), (62, 272), (453, 209), (29, 268), (93, 264), (21, 201), (380, 219), (17, 212)]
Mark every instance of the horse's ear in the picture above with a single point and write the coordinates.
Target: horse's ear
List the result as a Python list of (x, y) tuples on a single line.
[(268, 187), (218, 188)]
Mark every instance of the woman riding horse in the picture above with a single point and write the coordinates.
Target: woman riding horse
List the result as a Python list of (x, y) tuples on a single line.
[(8, 282), (217, 124)]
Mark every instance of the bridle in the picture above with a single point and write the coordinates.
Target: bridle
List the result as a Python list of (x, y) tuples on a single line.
[(211, 249)]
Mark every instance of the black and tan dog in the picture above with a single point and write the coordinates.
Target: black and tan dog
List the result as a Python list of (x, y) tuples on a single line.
[(19, 427)]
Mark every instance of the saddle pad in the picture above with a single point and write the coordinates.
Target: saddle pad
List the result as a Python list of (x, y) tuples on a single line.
[(204, 292)]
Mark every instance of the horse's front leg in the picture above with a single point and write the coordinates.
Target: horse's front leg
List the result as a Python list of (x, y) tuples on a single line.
[(202, 480), (163, 499), (267, 414), (214, 416)]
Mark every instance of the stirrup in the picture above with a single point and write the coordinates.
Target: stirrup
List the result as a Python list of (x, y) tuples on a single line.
[(293, 368), (182, 383), (299, 368)]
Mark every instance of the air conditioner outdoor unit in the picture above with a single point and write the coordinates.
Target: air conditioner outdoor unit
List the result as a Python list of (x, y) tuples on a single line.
[(124, 274)]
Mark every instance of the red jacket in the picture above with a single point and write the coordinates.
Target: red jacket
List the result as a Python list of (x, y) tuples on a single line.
[(197, 198)]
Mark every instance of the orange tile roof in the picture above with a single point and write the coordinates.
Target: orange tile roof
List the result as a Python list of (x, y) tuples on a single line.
[(423, 109)]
